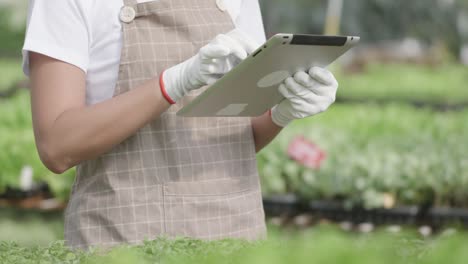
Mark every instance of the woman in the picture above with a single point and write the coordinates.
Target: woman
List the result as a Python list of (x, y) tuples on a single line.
[(107, 79)]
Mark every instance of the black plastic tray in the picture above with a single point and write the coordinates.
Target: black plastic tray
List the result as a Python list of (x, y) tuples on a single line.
[(282, 205), (289, 205), (16, 194)]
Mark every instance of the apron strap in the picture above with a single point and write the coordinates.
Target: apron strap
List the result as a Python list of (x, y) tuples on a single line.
[(130, 2)]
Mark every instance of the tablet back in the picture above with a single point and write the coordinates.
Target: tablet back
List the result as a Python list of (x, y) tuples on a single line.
[(251, 88)]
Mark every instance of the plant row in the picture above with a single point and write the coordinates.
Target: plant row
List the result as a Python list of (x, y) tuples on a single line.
[(18, 150), (375, 157), (320, 245), (441, 86)]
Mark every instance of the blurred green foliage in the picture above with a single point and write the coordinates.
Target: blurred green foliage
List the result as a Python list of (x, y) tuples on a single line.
[(30, 228), (428, 20), (19, 149), (320, 245), (414, 154), (17, 143), (373, 20), (443, 85), (11, 37), (417, 156), (10, 73)]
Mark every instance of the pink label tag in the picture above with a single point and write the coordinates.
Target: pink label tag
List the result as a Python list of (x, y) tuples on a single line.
[(306, 153)]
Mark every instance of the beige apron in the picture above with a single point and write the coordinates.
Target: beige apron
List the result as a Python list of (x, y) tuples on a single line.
[(176, 177)]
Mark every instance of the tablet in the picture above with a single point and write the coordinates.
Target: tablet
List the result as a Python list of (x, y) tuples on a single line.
[(251, 88)]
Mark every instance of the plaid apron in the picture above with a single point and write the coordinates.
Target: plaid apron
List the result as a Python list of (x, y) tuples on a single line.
[(176, 177)]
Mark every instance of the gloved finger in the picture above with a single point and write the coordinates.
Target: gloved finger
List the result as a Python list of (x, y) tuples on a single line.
[(212, 51), (208, 68), (304, 79), (316, 91), (212, 79), (227, 63), (304, 108), (322, 101), (216, 66), (296, 88), (322, 75), (246, 41), (311, 99), (284, 91), (312, 104), (235, 47)]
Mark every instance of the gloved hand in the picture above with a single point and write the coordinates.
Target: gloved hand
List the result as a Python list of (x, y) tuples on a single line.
[(210, 64), (306, 94)]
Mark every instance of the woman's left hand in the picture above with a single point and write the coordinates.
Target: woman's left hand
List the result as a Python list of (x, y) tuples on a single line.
[(306, 94)]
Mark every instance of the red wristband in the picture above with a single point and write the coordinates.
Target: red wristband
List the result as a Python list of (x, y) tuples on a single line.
[(163, 90)]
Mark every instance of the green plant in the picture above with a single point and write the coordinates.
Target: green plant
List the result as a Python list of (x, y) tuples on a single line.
[(395, 82), (375, 153), (12, 37), (11, 73), (18, 148), (319, 245), (29, 227)]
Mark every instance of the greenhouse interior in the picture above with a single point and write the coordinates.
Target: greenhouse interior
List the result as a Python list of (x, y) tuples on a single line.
[(381, 176)]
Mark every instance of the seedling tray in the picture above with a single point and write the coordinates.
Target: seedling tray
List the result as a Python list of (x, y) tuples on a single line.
[(290, 205)]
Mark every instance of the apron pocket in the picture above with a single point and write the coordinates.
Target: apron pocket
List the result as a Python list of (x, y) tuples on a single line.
[(215, 209)]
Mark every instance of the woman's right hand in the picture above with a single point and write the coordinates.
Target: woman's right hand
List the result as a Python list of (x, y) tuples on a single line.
[(210, 64)]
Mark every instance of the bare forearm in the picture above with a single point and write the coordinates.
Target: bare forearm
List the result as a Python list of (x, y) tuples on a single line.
[(84, 133), (264, 131)]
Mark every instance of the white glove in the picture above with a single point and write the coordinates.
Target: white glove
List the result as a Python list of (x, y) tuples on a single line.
[(210, 64), (306, 94)]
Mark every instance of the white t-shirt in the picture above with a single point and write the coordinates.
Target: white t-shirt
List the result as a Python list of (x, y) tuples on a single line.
[(88, 34)]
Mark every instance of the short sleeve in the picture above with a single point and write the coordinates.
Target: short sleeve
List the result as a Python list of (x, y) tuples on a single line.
[(250, 20), (58, 29)]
